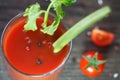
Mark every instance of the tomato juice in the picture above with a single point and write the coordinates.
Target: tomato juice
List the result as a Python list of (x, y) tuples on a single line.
[(31, 52)]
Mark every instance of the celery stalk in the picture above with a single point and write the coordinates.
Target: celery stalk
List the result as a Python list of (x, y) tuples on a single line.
[(79, 27)]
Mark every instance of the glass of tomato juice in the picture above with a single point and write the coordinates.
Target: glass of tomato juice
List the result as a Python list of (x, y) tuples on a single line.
[(29, 54)]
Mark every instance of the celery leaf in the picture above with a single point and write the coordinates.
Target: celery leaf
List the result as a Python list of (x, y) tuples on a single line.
[(32, 13), (57, 6)]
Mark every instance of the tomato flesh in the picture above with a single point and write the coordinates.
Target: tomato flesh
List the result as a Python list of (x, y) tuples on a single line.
[(101, 37)]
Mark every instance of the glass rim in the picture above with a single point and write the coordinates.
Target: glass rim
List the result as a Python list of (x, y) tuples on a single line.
[(24, 73)]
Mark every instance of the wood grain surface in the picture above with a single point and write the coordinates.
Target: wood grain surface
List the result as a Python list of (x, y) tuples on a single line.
[(82, 43)]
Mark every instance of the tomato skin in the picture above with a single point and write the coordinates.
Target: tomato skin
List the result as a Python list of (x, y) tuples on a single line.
[(101, 37), (91, 71)]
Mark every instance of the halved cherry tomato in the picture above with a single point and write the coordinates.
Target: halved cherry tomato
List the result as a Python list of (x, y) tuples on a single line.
[(92, 64), (101, 37)]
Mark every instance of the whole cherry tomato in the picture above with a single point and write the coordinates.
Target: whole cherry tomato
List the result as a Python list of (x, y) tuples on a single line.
[(101, 37), (92, 64)]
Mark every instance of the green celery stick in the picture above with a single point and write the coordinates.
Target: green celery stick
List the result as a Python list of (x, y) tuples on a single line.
[(79, 27)]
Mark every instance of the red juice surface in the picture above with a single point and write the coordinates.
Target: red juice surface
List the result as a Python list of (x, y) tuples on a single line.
[(31, 52)]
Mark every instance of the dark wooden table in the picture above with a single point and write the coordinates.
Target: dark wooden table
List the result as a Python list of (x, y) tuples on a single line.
[(82, 43)]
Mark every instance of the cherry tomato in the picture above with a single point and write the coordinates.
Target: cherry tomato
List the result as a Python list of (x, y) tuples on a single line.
[(101, 37), (92, 64)]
